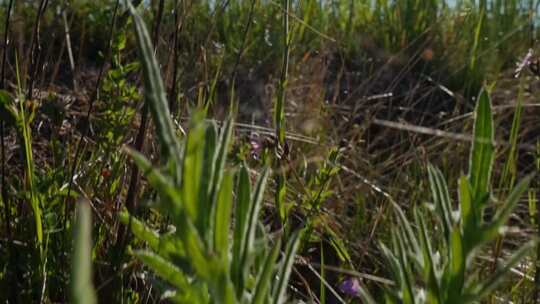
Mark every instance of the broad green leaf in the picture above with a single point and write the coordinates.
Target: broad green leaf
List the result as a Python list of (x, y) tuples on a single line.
[(192, 170), (82, 289), (210, 146), (286, 267), (482, 151), (203, 264)]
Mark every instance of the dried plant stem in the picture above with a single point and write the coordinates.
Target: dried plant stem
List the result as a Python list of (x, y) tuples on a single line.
[(35, 49), (173, 103)]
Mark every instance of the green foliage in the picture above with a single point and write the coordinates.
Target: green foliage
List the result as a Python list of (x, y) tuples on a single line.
[(199, 260), (20, 114), (443, 266)]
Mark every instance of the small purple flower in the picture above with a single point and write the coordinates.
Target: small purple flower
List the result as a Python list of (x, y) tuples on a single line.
[(350, 287), (256, 147)]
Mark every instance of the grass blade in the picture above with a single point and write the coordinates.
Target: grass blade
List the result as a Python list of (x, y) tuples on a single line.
[(252, 219), (82, 289), (286, 267), (439, 191), (263, 282), (489, 285)]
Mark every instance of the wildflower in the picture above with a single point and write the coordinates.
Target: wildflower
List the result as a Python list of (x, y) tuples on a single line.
[(350, 287), (256, 146)]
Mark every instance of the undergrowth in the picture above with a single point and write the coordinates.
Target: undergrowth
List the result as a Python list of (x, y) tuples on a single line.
[(269, 151)]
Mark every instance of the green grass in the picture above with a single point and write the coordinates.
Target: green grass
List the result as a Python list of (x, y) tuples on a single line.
[(339, 119)]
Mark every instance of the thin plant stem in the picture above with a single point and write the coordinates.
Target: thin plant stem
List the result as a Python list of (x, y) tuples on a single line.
[(93, 97), (35, 49), (7, 211), (172, 92)]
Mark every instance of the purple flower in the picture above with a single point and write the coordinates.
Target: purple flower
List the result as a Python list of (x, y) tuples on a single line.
[(350, 287), (255, 147)]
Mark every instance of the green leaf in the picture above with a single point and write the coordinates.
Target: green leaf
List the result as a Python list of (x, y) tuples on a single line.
[(154, 91), (223, 216), (210, 145), (408, 233), (469, 222), (492, 230), (218, 165), (82, 289), (482, 152), (165, 187), (185, 292), (286, 267), (167, 246), (441, 197), (252, 219), (407, 291), (192, 170), (431, 272), (241, 221), (265, 276), (166, 270), (281, 191), (456, 267)]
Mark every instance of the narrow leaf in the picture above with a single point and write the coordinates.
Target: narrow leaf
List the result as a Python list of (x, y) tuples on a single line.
[(223, 216), (264, 279), (241, 218), (82, 289), (286, 267), (154, 90), (482, 152)]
